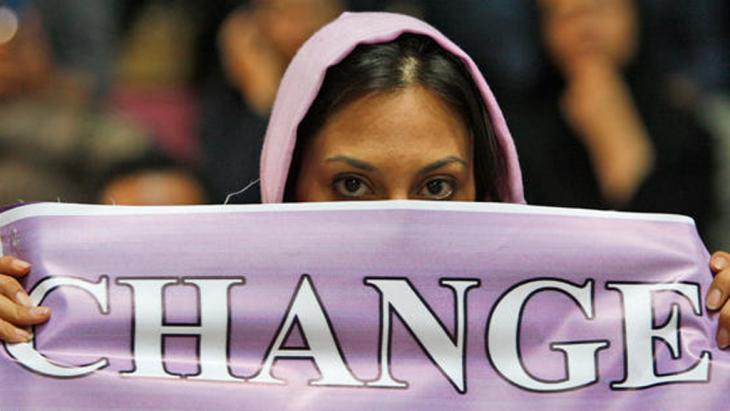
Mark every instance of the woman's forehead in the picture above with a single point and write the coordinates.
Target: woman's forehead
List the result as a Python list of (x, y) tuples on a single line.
[(410, 120)]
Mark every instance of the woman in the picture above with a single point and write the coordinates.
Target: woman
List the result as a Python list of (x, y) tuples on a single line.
[(602, 122), (402, 113)]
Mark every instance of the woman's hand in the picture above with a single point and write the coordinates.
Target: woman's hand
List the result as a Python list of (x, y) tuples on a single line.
[(251, 62), (598, 105), (16, 309), (717, 296)]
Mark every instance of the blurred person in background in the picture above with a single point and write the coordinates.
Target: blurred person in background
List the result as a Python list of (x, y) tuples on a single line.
[(601, 130), (82, 39), (256, 41), (152, 179), (155, 76), (54, 136)]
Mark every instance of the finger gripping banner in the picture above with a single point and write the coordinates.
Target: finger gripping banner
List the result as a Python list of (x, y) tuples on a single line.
[(386, 305)]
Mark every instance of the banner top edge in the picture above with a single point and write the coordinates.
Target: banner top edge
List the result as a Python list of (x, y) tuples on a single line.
[(67, 209)]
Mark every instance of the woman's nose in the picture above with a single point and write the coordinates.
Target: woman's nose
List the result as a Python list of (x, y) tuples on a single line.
[(398, 195)]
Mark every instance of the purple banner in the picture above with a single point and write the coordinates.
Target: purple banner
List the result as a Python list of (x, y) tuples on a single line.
[(387, 305)]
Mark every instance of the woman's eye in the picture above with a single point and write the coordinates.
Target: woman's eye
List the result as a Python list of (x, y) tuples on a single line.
[(438, 189), (351, 187)]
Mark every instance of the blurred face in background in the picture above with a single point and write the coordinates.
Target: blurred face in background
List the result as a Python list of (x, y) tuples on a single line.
[(25, 63), (154, 187), (289, 23), (575, 30)]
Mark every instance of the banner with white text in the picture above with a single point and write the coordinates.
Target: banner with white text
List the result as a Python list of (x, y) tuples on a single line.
[(384, 305)]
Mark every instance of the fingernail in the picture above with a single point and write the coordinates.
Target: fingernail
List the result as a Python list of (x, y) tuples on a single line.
[(20, 265), (23, 299), (714, 298), (723, 338), (719, 263), (40, 310), (25, 336)]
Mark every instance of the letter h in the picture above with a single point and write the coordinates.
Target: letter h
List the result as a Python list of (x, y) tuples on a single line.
[(150, 330)]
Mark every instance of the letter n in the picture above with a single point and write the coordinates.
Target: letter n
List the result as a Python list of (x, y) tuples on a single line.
[(398, 296)]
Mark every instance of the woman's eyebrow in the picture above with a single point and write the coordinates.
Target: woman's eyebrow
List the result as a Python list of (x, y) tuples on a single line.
[(353, 162), (440, 163)]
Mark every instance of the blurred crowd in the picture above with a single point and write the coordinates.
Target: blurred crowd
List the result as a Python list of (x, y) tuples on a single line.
[(614, 104)]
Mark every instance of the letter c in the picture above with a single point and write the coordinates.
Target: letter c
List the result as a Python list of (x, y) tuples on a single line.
[(26, 354)]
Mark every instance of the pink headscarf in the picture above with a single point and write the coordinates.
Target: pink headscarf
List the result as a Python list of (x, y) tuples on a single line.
[(329, 46)]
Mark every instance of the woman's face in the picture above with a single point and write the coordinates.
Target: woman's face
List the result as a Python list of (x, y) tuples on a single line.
[(406, 144), (577, 29), (289, 23), (153, 187)]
